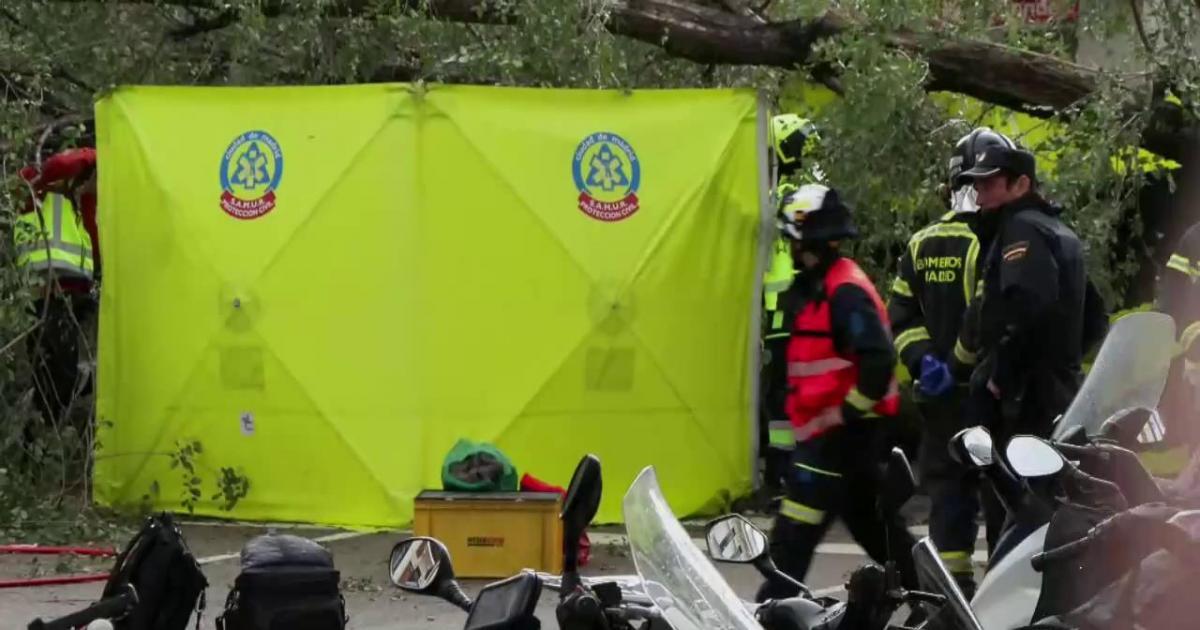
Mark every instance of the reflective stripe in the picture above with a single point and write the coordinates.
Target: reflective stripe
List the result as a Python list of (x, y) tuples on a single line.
[(799, 512), (964, 356), (911, 336), (58, 201), (900, 287), (1181, 264), (859, 401), (777, 320), (820, 366), (819, 471), (782, 442), (958, 230), (957, 561), (67, 248), (59, 265), (777, 335), (780, 436), (969, 283)]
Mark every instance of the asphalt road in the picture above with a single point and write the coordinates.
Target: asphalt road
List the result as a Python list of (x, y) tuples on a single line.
[(373, 603)]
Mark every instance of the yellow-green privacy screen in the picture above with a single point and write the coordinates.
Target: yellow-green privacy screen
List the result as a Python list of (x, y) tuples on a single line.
[(328, 286)]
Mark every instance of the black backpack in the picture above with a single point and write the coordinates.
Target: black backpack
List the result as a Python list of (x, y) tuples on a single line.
[(162, 571), (286, 583)]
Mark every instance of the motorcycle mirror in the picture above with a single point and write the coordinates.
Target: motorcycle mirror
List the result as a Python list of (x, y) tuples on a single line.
[(972, 447), (1131, 428), (899, 483), (420, 565), (733, 538), (1033, 457), (579, 508)]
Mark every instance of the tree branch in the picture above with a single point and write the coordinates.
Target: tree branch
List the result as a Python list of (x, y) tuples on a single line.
[(1037, 84), (200, 26), (1136, 5)]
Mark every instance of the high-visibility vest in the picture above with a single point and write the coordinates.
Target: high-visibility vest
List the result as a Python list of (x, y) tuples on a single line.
[(820, 377), (779, 275), (780, 267), (777, 279), (52, 237)]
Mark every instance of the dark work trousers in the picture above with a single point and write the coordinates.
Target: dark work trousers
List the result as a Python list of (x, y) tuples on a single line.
[(773, 389), (953, 489), (55, 351), (837, 474), (775, 461), (1031, 411), (776, 469)]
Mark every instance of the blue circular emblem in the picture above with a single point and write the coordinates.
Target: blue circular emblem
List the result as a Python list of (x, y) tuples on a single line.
[(251, 169), (607, 175)]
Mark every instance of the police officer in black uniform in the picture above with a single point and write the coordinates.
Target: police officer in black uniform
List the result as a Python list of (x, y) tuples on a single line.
[(938, 278), (1038, 314)]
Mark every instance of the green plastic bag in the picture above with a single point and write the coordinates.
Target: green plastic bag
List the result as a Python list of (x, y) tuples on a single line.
[(472, 467)]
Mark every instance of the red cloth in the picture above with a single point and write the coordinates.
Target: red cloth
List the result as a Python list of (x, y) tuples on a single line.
[(818, 376), (529, 483), (57, 173), (60, 167)]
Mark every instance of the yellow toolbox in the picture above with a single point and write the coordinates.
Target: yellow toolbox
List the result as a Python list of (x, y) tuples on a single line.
[(493, 534)]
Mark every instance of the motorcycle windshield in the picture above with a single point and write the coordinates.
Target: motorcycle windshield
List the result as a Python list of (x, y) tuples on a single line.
[(684, 585), (1130, 371), (929, 564)]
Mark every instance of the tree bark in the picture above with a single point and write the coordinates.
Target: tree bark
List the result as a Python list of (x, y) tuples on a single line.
[(1033, 83)]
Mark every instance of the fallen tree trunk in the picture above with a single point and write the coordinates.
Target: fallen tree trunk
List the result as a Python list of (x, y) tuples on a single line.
[(1041, 85), (1037, 84)]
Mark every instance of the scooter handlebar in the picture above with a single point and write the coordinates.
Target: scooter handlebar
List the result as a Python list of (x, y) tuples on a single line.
[(1071, 451), (1069, 550)]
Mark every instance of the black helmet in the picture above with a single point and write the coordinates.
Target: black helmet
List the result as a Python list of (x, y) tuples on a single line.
[(970, 148), (815, 213)]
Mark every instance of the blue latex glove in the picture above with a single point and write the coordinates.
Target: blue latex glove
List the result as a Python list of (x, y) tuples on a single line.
[(935, 376)]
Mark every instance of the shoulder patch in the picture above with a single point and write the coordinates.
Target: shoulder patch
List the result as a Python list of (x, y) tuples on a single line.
[(1015, 251)]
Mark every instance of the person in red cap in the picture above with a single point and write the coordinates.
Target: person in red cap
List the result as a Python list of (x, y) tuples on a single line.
[(55, 239)]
